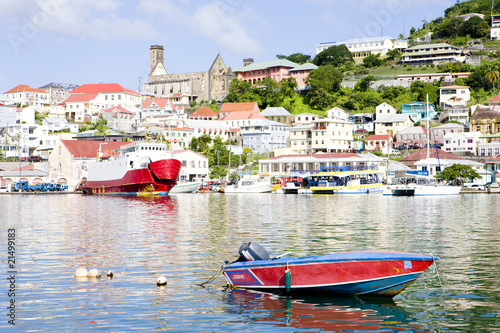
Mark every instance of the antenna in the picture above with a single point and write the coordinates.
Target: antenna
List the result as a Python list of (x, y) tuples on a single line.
[(140, 84)]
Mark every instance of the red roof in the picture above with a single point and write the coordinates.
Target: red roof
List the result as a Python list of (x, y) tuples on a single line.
[(204, 111), (422, 155), (160, 102), (102, 88), (377, 137), (80, 98), (242, 115), (25, 168), (246, 106), (495, 98), (118, 109), (88, 149), (23, 88)]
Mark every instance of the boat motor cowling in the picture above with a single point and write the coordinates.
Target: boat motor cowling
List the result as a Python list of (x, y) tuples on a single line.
[(252, 251)]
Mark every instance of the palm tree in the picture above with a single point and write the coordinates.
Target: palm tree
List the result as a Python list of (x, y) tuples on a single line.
[(493, 74)]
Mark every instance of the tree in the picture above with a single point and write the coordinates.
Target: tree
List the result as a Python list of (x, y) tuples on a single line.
[(476, 27), (269, 93), (458, 173), (100, 126), (336, 56), (364, 83), (242, 91), (373, 60), (393, 54), (298, 58), (217, 172), (326, 77), (492, 74)]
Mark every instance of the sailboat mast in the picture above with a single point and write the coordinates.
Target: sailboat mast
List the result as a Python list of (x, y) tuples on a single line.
[(427, 107)]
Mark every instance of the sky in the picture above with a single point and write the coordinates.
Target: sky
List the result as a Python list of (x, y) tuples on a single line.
[(107, 41)]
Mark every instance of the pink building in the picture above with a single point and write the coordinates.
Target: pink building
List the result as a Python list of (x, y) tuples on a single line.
[(276, 70)]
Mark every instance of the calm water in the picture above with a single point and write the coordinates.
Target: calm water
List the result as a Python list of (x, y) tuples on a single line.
[(186, 238)]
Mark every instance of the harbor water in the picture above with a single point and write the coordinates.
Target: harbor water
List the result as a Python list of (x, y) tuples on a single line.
[(186, 238)]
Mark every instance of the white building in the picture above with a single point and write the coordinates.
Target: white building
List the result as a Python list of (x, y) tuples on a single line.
[(177, 137), (306, 118), (213, 128), (59, 124), (432, 54), (299, 139), (119, 119), (337, 113), (495, 27), (331, 135), (363, 47), (384, 109), (461, 142), (392, 123), (454, 95), (161, 110), (25, 95), (194, 165), (88, 99), (264, 136)]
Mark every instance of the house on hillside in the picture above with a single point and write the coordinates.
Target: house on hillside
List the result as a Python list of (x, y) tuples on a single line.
[(418, 110), (119, 119), (264, 136), (453, 95), (426, 54), (485, 119), (25, 95), (377, 142), (228, 108), (332, 135), (278, 114), (461, 142), (161, 111), (305, 118), (392, 124), (337, 113), (300, 139), (363, 47)]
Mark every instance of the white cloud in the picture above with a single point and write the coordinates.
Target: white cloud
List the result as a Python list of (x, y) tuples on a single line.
[(97, 19), (220, 22)]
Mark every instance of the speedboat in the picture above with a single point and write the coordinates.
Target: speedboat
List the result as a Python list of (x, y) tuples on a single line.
[(415, 185), (187, 187), (370, 273), (249, 186)]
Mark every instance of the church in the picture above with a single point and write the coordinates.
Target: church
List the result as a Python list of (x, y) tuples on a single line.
[(212, 84)]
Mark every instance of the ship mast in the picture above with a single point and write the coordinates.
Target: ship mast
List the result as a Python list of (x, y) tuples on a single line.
[(427, 107)]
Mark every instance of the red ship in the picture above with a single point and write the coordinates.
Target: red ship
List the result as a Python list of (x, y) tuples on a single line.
[(138, 169)]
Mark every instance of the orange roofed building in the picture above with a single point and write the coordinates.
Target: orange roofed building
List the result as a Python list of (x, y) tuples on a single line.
[(204, 113), (25, 95), (238, 107)]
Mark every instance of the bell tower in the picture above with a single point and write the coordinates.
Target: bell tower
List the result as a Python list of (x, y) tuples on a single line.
[(155, 56)]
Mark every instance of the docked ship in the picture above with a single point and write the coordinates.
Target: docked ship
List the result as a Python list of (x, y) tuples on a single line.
[(141, 169)]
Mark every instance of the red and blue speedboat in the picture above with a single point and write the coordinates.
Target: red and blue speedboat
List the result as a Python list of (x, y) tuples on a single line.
[(370, 273)]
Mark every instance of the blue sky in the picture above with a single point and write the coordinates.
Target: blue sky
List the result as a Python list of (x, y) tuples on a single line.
[(93, 41)]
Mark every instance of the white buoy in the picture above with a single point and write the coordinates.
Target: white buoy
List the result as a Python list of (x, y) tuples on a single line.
[(94, 273), (81, 272), (161, 281)]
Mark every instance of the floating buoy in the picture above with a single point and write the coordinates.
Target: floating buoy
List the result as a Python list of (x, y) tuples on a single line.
[(161, 281), (109, 273), (94, 273), (81, 272)]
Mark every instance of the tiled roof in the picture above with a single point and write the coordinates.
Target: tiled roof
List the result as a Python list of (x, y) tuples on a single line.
[(80, 98), (422, 155), (102, 88), (119, 109), (231, 107), (204, 111), (25, 88), (304, 67), (377, 137), (160, 102), (267, 64), (486, 112), (242, 115), (88, 148)]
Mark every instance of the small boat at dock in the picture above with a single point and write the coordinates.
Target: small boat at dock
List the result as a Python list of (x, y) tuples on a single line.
[(187, 187), (369, 273)]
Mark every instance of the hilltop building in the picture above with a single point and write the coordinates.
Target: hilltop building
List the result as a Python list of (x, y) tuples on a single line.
[(363, 47), (212, 84), (432, 54), (25, 95)]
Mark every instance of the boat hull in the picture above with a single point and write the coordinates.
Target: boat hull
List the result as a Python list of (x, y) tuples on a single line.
[(383, 274), (186, 187), (157, 179), (421, 190)]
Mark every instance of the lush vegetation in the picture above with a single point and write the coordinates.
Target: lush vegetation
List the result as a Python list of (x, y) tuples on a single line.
[(459, 173)]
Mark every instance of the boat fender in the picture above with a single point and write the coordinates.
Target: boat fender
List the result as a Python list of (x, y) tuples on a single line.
[(81, 272), (288, 278)]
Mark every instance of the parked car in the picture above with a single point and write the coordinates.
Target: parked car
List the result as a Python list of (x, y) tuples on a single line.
[(414, 147), (4, 189)]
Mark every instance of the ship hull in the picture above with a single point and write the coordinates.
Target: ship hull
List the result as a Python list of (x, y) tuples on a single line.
[(156, 179)]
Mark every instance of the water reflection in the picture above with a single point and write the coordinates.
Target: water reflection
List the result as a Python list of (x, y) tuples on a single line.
[(327, 314)]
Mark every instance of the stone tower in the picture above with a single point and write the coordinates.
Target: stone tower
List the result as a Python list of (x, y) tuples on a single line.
[(155, 56)]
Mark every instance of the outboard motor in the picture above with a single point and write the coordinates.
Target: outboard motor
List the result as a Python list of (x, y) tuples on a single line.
[(252, 251)]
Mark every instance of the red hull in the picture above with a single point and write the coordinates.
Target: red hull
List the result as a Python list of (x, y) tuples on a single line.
[(158, 179)]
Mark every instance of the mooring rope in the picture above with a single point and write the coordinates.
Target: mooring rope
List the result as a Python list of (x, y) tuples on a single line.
[(439, 277), (213, 277)]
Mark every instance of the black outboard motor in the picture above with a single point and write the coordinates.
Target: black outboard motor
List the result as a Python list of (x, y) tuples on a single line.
[(252, 251)]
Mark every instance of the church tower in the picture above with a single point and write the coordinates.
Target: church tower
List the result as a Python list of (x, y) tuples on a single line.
[(155, 56)]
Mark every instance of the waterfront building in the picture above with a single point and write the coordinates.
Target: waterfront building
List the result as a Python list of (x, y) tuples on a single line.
[(276, 69), (212, 84), (363, 47), (264, 136), (204, 113), (306, 164), (278, 114), (87, 100), (24, 95), (418, 110), (194, 165), (331, 135)]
